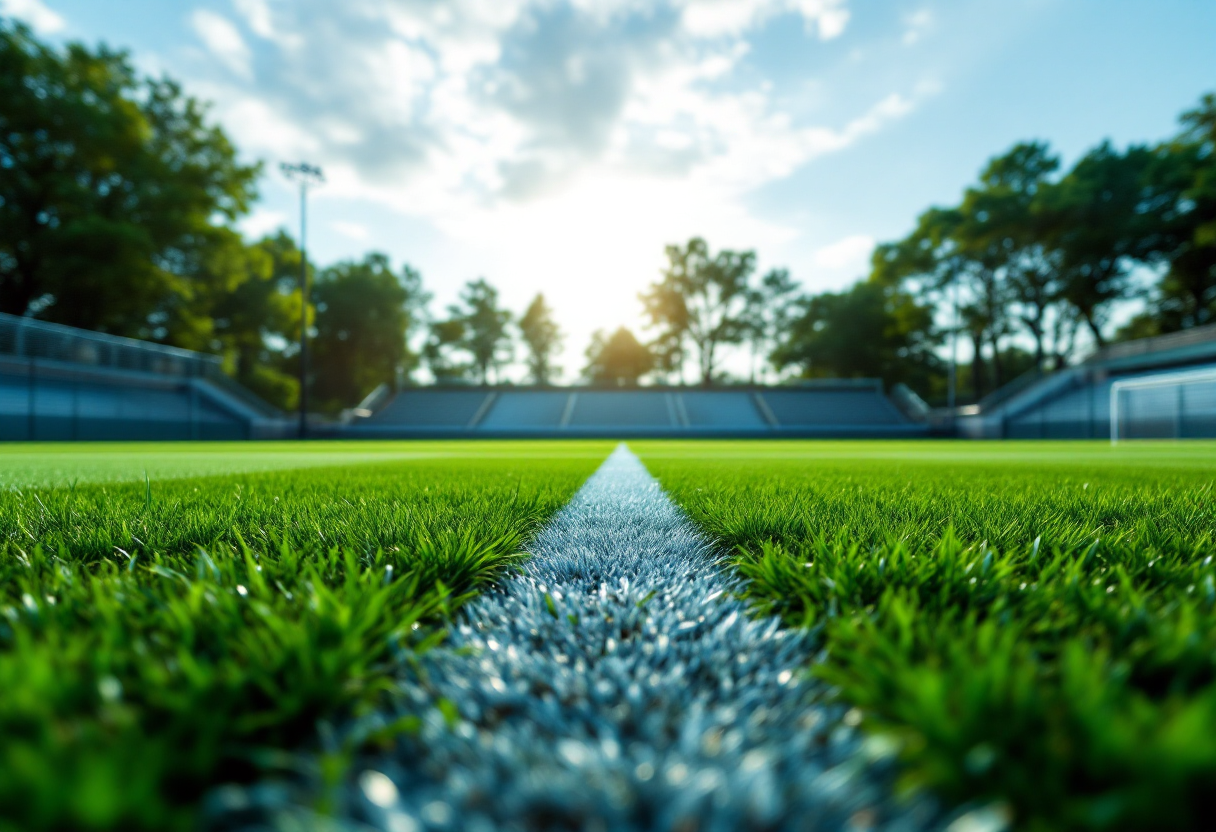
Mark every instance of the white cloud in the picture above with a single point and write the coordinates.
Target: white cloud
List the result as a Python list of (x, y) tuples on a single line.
[(916, 25), (350, 229), (718, 18), (260, 17), (553, 145), (852, 253), (36, 13), (223, 40), (257, 16), (262, 222)]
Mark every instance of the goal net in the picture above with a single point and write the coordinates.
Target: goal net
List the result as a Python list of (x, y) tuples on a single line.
[(1164, 406)]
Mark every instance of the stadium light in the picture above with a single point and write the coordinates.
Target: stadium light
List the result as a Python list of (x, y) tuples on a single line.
[(306, 176)]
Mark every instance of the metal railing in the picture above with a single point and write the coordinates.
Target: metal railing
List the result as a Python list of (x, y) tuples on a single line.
[(32, 339), (43, 347), (1159, 343)]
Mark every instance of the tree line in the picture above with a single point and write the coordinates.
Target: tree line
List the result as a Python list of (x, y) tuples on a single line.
[(119, 200), (1029, 267)]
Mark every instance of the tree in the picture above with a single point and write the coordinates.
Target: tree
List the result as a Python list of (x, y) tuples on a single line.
[(1181, 197), (703, 299), (362, 326), (617, 360), (256, 324), (1098, 230), (768, 315), (440, 352), (936, 264), (542, 337), (665, 305), (114, 190), (484, 327), (991, 260), (1008, 226), (867, 331)]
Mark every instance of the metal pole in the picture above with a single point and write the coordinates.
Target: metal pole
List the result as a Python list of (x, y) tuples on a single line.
[(305, 175), (303, 309), (953, 377)]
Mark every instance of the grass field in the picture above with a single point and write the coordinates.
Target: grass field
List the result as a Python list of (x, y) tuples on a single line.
[(1031, 624), (170, 615)]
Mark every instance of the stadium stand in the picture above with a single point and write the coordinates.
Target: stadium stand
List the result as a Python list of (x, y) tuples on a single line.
[(833, 407), (721, 410), (539, 410), (433, 409), (638, 409), (848, 408), (1164, 393), (59, 382)]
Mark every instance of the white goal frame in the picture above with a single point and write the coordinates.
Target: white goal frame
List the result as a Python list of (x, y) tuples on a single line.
[(1179, 380)]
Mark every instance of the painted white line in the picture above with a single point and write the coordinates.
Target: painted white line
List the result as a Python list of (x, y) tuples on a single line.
[(617, 685)]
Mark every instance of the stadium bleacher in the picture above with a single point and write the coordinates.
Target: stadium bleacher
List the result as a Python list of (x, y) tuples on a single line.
[(722, 410), (432, 409), (62, 383), (1076, 403), (860, 407), (538, 410), (844, 408)]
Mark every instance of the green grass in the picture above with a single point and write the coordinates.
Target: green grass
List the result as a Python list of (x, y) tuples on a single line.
[(162, 631), (1031, 623)]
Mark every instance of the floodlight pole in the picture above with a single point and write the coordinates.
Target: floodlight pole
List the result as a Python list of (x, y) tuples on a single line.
[(306, 176), (952, 384)]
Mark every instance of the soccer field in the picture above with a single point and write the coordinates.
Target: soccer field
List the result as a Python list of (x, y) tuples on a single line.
[(1024, 631)]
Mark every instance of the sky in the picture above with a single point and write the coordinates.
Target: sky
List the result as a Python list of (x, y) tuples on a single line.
[(558, 146)]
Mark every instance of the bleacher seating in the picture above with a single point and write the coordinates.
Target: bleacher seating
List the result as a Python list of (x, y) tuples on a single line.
[(847, 408), (61, 383), (431, 408), (722, 410), (833, 407), (533, 410), (623, 409)]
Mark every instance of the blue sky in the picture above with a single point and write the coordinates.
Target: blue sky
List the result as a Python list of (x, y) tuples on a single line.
[(558, 145)]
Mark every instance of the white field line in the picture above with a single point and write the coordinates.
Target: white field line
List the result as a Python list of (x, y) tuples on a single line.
[(617, 685)]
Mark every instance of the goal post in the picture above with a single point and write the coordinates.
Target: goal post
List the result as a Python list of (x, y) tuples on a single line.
[(1180, 381)]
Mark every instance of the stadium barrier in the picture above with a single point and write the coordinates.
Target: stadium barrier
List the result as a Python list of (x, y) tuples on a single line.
[(62, 383), (1153, 388)]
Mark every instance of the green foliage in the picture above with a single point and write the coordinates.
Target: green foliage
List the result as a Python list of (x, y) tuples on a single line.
[(1098, 226), (771, 309), (543, 338), (1184, 172), (617, 360), (1030, 251), (702, 298), (441, 352), (1031, 624), (867, 331), (478, 326), (89, 232), (364, 315), (160, 637), (259, 319)]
